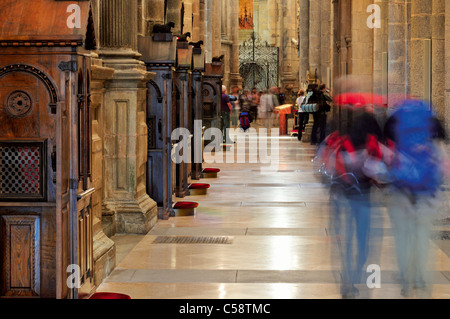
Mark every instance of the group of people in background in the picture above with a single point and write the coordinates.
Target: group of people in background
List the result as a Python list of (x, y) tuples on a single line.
[(315, 94), (253, 106)]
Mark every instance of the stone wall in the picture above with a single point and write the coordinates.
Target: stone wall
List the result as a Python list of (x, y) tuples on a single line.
[(388, 59)]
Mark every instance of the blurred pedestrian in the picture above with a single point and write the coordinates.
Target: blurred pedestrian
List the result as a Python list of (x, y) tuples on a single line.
[(320, 97), (350, 190), (302, 116), (225, 115), (236, 107), (267, 107), (416, 171)]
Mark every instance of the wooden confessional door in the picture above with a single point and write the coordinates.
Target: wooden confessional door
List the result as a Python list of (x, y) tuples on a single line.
[(28, 142), (84, 217)]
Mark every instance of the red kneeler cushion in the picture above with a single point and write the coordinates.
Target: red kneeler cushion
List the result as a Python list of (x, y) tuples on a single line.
[(109, 295), (211, 170), (199, 186), (185, 205)]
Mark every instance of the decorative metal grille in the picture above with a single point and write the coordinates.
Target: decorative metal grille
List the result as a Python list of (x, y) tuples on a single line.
[(193, 240), (21, 170), (151, 124), (258, 63)]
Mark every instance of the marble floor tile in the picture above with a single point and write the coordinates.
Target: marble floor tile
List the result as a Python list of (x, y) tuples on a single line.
[(281, 245)]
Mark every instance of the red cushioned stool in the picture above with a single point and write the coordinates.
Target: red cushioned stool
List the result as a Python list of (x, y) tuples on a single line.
[(109, 295), (185, 209), (198, 189), (210, 172)]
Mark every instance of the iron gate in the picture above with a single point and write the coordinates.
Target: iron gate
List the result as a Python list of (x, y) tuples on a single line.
[(258, 63)]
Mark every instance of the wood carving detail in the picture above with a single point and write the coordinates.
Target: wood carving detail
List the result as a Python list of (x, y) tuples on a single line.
[(21, 259), (39, 74), (19, 104)]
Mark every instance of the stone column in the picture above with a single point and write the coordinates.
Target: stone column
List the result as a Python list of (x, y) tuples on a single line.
[(209, 35), (362, 44), (315, 38), (288, 77), (325, 35), (104, 248), (216, 27), (153, 11), (173, 14), (438, 58), (380, 51), (304, 42), (398, 50), (421, 11), (224, 19), (447, 66), (196, 33), (202, 20), (235, 77), (124, 126), (272, 12), (188, 26)]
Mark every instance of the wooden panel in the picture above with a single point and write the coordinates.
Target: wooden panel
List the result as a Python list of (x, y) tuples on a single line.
[(85, 245), (20, 256)]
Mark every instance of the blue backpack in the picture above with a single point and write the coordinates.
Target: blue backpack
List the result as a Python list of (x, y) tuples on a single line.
[(415, 166), (245, 120)]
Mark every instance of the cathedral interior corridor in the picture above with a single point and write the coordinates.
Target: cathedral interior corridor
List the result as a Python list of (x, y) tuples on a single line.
[(216, 150)]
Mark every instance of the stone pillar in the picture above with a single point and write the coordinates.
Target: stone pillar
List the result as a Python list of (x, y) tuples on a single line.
[(124, 126), (304, 42), (272, 11), (224, 19), (287, 48), (398, 50), (173, 14), (104, 248), (438, 58), (380, 51), (362, 44), (117, 28), (153, 12), (421, 11), (196, 33), (315, 38), (325, 65), (216, 27), (235, 77), (202, 20), (209, 35), (447, 66), (188, 25)]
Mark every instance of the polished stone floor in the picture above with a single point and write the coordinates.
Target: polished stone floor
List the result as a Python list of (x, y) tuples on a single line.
[(276, 226)]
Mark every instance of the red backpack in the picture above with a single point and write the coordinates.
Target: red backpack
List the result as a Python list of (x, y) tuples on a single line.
[(344, 165)]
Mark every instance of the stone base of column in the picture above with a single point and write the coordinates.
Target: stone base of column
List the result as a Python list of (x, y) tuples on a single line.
[(132, 217), (104, 257)]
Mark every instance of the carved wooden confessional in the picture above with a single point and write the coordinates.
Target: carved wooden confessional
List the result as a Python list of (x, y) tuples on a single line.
[(45, 150)]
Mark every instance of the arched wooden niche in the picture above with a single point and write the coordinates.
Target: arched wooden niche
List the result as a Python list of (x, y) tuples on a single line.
[(51, 88)]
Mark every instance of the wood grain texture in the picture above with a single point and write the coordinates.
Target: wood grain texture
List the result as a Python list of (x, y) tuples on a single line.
[(20, 255)]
